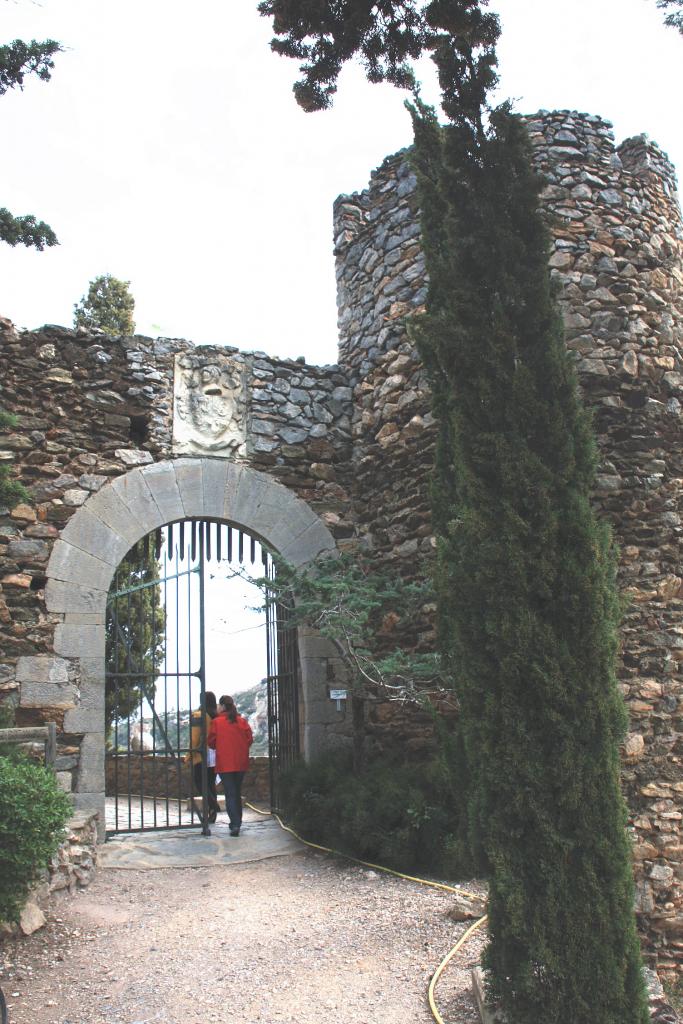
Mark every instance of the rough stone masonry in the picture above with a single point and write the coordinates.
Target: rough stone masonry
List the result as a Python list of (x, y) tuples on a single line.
[(111, 428)]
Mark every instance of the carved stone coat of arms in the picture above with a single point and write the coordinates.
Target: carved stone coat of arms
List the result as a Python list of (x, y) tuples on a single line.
[(209, 413)]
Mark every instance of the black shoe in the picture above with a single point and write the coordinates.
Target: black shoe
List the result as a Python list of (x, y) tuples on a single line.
[(212, 817), (234, 832)]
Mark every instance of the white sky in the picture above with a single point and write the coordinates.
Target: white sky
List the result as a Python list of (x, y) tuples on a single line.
[(168, 150), (235, 633), (234, 627)]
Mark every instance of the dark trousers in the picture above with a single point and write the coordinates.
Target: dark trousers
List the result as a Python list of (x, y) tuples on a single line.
[(211, 785), (232, 787)]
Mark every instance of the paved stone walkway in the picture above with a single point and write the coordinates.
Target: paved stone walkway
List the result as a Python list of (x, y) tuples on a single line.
[(134, 812), (260, 838)]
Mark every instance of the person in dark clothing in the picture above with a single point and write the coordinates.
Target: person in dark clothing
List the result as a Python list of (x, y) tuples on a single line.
[(194, 754), (230, 736)]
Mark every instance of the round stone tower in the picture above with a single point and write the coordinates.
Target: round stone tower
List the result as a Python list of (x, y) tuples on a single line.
[(618, 259)]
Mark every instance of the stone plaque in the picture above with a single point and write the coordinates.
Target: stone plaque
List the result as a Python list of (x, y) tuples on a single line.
[(209, 404)]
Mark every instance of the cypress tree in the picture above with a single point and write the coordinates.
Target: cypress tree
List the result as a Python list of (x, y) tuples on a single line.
[(526, 582), (527, 599)]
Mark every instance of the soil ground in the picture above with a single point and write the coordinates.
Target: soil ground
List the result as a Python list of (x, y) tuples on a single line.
[(304, 938)]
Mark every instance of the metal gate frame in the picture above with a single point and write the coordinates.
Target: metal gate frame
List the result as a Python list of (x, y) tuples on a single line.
[(131, 599), (208, 538)]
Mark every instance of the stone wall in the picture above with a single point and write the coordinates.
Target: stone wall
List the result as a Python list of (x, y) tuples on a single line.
[(149, 774), (95, 403), (146, 773), (618, 259), (75, 861), (95, 410)]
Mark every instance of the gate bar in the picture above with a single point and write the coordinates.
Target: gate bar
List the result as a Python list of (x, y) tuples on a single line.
[(206, 831)]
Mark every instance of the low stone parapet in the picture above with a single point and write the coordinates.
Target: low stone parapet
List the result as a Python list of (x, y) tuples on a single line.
[(74, 863), (157, 776)]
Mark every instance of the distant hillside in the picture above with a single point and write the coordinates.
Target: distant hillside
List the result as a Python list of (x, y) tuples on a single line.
[(253, 704)]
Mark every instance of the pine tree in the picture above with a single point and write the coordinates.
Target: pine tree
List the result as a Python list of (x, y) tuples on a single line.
[(108, 306), (17, 60), (345, 601), (25, 230), (675, 17), (384, 34)]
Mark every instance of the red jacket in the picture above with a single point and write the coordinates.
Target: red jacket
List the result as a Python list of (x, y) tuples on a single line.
[(231, 741)]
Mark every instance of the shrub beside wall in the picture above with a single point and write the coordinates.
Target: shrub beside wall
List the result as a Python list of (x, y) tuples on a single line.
[(33, 813), (395, 813)]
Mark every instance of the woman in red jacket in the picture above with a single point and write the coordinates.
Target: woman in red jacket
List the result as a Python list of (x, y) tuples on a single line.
[(230, 736)]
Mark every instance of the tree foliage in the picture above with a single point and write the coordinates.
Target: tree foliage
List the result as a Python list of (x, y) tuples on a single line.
[(135, 635), (348, 602), (108, 306), (387, 36), (324, 36), (527, 598), (675, 17), (26, 231), (17, 60)]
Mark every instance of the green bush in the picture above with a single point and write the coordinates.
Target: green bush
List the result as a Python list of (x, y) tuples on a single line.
[(11, 491), (674, 993), (12, 751), (397, 814), (33, 812)]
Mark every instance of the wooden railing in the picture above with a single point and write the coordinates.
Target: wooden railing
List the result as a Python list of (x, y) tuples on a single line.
[(46, 734)]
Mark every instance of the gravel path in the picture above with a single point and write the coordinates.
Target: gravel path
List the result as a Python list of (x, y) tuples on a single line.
[(302, 938)]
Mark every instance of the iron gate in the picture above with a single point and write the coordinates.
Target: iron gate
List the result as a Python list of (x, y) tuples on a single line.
[(283, 692), (156, 675)]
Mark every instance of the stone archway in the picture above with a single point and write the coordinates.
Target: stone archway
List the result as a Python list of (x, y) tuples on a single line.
[(103, 530)]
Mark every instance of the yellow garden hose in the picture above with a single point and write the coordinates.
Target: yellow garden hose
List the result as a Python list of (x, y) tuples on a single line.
[(446, 960), (411, 878), (257, 809)]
